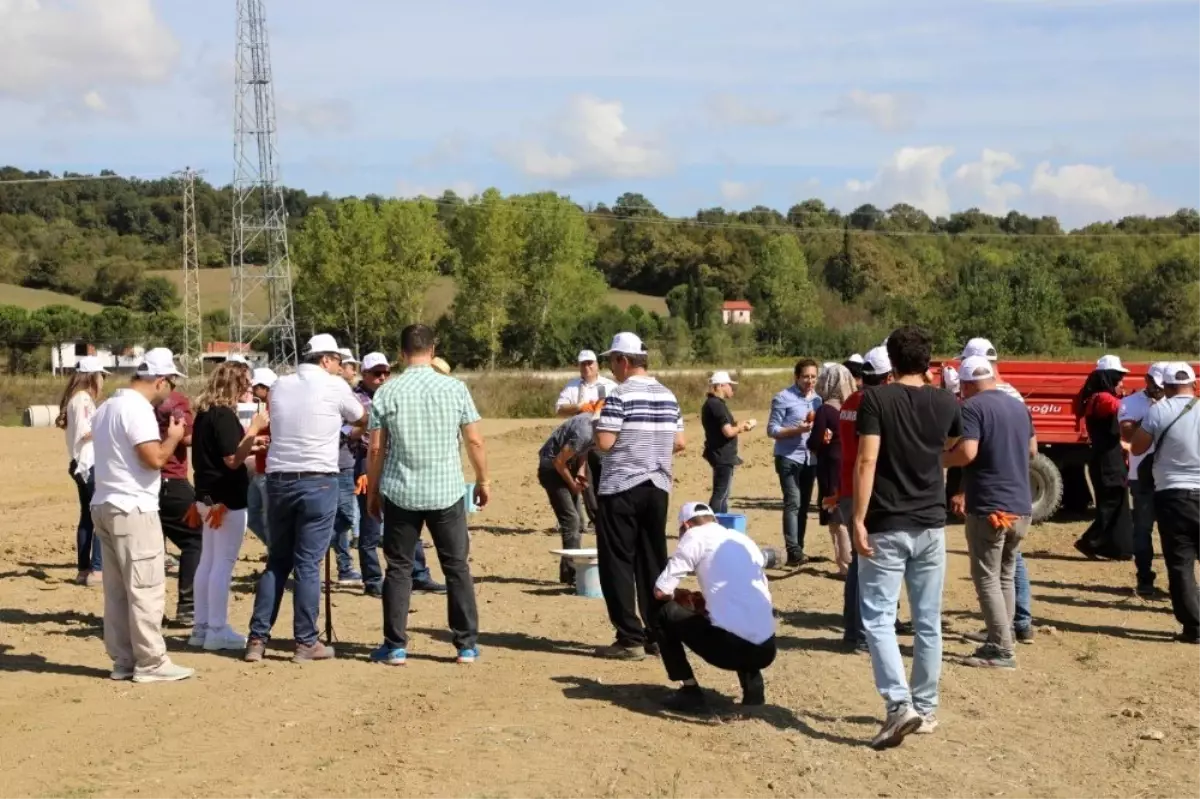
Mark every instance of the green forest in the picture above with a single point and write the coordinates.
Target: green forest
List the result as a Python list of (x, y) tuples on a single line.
[(532, 272)]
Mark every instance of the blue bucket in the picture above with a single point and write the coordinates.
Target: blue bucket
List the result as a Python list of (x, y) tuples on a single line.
[(587, 579), (733, 521), (469, 498)]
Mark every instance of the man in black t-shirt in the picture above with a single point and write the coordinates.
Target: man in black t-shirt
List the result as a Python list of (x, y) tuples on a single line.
[(720, 439), (899, 528)]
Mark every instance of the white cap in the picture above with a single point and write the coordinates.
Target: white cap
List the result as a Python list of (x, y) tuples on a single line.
[(1158, 372), (440, 365), (691, 510), (263, 377), (90, 365), (585, 356), (347, 355), (159, 362), (236, 359), (373, 360), (721, 379), (981, 347), (876, 362), (855, 358), (1179, 374), (950, 379), (1110, 363), (626, 344), (323, 344), (975, 368)]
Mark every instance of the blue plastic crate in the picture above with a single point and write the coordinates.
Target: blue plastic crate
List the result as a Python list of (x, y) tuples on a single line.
[(733, 521)]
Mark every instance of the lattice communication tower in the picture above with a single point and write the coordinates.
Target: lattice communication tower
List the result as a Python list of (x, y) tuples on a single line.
[(259, 252), (193, 344)]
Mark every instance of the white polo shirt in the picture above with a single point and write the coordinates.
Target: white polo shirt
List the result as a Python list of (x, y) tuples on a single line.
[(729, 567), (578, 392), (121, 423), (1134, 409), (308, 409)]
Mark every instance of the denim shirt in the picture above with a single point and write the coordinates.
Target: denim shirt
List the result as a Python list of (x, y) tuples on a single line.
[(789, 409)]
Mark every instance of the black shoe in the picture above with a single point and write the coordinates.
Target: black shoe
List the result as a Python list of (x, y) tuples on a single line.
[(753, 690), (795, 561), (862, 647), (373, 591), (688, 699), (1024, 635), (1148, 590), (1189, 637), (652, 649), (904, 627), (429, 587), (1086, 550)]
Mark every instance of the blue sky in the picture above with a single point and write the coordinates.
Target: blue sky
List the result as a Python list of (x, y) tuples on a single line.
[(1086, 109)]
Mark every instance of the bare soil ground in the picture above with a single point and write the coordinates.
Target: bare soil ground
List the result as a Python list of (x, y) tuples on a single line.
[(539, 716)]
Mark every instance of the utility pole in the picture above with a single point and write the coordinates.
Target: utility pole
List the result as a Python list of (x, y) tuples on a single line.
[(193, 345), (259, 259)]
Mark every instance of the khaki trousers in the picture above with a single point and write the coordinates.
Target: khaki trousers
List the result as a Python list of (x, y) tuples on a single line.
[(135, 589)]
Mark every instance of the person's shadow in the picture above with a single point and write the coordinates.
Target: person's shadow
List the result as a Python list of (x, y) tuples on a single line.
[(646, 699)]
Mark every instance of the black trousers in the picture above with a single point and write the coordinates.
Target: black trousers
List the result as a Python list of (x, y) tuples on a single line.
[(631, 540), (175, 498), (566, 512), (1110, 534), (680, 627), (1178, 515), (401, 534)]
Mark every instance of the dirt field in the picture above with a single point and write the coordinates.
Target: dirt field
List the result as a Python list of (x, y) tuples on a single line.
[(538, 716)]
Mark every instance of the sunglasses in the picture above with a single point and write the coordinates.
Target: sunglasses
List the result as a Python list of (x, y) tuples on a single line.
[(380, 372)]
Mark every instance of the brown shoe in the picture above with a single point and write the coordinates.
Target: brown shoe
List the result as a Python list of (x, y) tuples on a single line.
[(317, 651), (255, 649)]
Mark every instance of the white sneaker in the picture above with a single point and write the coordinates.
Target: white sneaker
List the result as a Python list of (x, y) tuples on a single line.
[(899, 723), (121, 673), (929, 723), (227, 638), (198, 634), (167, 672)]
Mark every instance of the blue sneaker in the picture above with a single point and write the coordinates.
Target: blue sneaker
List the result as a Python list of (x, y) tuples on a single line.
[(389, 655), (350, 579), (468, 655)]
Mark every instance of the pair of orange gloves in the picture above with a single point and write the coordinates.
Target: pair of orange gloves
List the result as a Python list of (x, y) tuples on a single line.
[(215, 516)]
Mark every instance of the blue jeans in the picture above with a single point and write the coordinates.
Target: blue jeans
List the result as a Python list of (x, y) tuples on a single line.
[(256, 509), (1023, 618), (796, 480), (722, 487), (87, 544), (302, 509), (917, 560), (1143, 531), (343, 523)]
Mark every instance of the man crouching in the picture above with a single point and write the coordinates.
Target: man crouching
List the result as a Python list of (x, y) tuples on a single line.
[(729, 623)]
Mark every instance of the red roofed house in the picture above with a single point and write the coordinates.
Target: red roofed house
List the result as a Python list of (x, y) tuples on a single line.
[(736, 312)]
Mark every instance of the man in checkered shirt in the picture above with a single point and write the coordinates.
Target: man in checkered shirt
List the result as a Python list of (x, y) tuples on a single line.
[(415, 479), (639, 431)]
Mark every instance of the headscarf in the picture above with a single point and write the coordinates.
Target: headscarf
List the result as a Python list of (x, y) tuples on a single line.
[(835, 383), (1101, 381)]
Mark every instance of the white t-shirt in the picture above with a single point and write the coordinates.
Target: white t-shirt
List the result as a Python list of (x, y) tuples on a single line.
[(729, 567), (1134, 409), (577, 392), (80, 410), (123, 422), (308, 409)]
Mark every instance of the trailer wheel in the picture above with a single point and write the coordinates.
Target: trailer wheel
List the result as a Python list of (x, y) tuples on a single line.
[(1046, 484)]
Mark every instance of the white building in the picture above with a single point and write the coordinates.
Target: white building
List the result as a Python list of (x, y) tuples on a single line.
[(64, 357), (736, 312)]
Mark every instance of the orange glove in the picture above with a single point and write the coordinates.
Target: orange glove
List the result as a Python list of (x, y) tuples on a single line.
[(1002, 520), (830, 503), (360, 485), (216, 516), (192, 517), (587, 407)]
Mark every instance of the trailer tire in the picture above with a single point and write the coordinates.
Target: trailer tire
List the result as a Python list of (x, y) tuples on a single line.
[(1046, 485)]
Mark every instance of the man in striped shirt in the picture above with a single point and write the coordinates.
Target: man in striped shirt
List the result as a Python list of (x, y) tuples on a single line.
[(639, 432)]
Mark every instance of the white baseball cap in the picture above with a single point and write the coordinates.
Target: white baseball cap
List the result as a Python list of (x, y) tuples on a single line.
[(373, 360), (322, 344), (263, 377), (1110, 363), (1158, 372), (90, 365), (237, 359), (950, 379), (586, 356), (876, 362), (691, 510), (721, 379), (855, 358), (975, 368), (981, 347), (347, 355), (1179, 373), (626, 344), (159, 362)]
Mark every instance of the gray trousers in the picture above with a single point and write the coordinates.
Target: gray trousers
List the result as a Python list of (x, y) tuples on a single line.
[(993, 563), (566, 508)]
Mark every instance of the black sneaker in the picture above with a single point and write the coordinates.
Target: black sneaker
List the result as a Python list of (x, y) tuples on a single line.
[(429, 587), (1149, 590), (904, 627), (753, 690), (1189, 637), (652, 650), (688, 699), (621, 652), (373, 591), (795, 561), (1024, 635)]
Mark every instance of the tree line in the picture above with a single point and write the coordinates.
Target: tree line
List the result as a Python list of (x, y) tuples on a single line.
[(532, 271)]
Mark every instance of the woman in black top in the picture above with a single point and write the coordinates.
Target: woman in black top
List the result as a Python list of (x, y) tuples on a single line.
[(219, 450), (720, 439), (834, 385)]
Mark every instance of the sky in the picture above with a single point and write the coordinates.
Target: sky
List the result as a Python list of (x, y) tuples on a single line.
[(1085, 109)]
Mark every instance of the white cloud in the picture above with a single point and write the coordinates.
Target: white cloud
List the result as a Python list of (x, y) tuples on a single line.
[(978, 183), (447, 150), (48, 46), (733, 191), (317, 116), (884, 111), (1084, 192), (731, 110), (434, 189), (912, 175), (590, 139)]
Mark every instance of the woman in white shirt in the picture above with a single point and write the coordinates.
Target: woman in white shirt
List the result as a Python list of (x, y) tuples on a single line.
[(75, 412)]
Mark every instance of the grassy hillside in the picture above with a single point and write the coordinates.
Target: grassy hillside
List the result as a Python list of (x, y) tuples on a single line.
[(214, 293), (32, 299)]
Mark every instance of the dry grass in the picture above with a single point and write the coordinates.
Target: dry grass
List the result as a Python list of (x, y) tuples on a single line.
[(32, 299)]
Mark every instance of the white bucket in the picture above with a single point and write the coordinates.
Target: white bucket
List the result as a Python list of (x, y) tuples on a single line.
[(41, 415)]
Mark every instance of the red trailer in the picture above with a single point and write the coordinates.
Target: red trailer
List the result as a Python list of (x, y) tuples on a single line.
[(1049, 388)]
